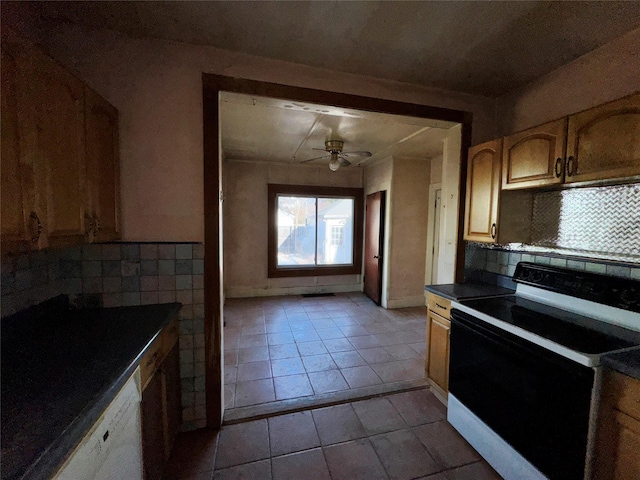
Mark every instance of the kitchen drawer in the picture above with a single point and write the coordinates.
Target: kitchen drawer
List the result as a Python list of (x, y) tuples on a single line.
[(623, 393), (151, 360), (439, 305)]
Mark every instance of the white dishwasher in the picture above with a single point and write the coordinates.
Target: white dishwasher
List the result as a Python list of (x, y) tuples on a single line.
[(112, 450)]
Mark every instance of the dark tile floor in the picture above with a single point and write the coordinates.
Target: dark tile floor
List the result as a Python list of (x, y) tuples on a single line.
[(280, 348), (397, 436)]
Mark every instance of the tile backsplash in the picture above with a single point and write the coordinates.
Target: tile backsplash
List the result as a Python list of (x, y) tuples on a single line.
[(123, 274), (480, 257)]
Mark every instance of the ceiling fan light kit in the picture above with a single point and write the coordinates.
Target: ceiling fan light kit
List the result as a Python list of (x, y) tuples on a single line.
[(334, 163), (338, 157)]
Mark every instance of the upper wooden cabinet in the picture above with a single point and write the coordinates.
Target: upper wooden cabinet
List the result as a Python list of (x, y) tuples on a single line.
[(103, 167), (59, 155), (599, 144), (15, 236), (52, 141), (604, 142), (483, 192), (534, 157)]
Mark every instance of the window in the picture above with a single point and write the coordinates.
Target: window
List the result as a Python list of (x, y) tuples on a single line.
[(314, 230)]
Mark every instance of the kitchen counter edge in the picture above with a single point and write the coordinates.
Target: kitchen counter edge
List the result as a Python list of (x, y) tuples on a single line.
[(462, 291), (627, 363), (57, 453)]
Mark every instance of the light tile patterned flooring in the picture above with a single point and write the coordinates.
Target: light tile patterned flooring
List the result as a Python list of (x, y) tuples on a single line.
[(279, 348), (397, 436)]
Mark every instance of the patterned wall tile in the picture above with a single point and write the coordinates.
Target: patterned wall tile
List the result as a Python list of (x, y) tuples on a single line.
[(124, 274)]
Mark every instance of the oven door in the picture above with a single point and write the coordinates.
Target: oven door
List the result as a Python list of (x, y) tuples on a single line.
[(536, 400)]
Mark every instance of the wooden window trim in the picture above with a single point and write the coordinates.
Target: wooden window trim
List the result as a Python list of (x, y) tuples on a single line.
[(310, 190)]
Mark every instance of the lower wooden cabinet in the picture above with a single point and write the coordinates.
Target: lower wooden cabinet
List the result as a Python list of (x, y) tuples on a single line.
[(152, 410), (437, 358), (161, 405), (617, 454)]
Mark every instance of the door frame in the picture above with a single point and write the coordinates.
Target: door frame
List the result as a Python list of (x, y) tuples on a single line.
[(428, 271), (212, 85)]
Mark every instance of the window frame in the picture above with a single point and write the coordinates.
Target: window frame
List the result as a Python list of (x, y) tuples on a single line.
[(357, 194)]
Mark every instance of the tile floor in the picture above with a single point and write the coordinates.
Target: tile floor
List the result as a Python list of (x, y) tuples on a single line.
[(397, 436), (280, 348)]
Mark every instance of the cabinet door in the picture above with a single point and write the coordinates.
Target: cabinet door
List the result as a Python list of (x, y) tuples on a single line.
[(103, 167), (15, 237), (173, 413), (604, 142), (483, 191), (626, 465), (153, 452), (535, 157), (618, 429), (438, 350), (51, 121)]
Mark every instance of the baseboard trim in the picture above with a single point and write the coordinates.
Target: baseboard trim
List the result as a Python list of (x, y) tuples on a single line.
[(244, 292), (414, 301)]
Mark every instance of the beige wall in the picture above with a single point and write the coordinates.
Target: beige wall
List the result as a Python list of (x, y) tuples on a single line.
[(157, 87), (408, 238), (607, 73), (245, 227)]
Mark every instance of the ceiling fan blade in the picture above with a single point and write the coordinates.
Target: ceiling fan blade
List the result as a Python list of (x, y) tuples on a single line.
[(344, 162), (314, 158), (361, 153), (320, 149)]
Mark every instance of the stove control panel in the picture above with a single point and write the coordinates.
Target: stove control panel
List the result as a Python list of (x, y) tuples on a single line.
[(613, 291)]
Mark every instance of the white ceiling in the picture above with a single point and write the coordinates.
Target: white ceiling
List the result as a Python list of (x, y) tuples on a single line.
[(485, 48), (272, 130)]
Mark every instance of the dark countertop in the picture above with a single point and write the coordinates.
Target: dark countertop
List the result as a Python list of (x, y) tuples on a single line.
[(461, 291), (627, 362), (60, 369)]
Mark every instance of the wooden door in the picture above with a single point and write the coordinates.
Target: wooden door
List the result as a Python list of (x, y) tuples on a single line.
[(604, 142), (15, 237), (534, 157), (153, 442), (483, 192), (103, 167), (373, 246), (438, 349), (51, 119)]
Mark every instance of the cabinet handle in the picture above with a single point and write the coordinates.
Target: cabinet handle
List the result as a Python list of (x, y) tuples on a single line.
[(440, 306), (570, 164), (558, 167), (493, 231), (35, 227), (97, 226), (88, 228)]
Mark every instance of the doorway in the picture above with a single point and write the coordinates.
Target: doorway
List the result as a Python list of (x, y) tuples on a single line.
[(213, 196), (374, 245), (433, 234)]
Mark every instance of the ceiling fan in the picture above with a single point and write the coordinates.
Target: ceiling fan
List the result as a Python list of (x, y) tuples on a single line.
[(338, 157)]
